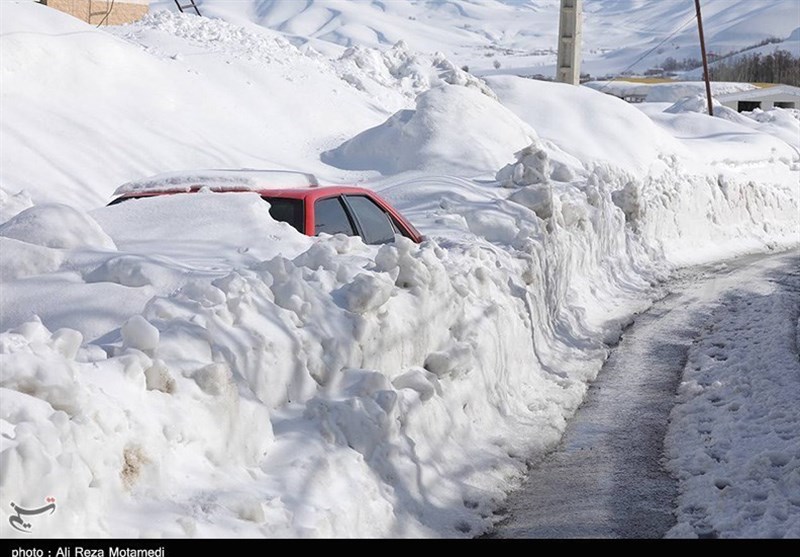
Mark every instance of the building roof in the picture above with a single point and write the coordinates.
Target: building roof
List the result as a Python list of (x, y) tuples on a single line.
[(761, 93)]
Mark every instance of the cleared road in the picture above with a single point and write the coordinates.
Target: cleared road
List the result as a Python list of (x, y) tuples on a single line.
[(606, 479)]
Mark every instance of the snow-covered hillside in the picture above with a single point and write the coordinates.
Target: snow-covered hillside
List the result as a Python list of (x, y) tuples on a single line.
[(207, 371), (520, 36)]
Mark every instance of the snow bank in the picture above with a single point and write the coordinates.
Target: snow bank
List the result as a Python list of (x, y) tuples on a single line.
[(673, 173), (733, 214), (93, 431), (215, 35), (534, 166), (418, 377), (585, 124), (56, 226), (414, 374), (452, 129), (699, 104), (779, 122)]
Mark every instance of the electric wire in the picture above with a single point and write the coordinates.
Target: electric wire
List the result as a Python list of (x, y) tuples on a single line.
[(649, 52)]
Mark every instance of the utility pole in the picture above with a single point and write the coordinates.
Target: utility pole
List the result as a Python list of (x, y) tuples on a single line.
[(569, 42), (705, 59)]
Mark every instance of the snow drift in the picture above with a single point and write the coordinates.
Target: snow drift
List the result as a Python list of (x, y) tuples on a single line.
[(423, 139)]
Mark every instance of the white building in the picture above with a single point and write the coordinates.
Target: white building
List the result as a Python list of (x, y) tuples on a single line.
[(780, 96)]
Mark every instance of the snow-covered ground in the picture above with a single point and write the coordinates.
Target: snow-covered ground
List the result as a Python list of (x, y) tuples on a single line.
[(206, 371), (733, 437)]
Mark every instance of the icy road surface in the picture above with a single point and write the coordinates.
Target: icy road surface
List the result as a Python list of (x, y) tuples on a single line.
[(734, 328)]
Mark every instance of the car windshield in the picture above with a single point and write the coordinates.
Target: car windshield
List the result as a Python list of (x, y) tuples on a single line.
[(287, 210)]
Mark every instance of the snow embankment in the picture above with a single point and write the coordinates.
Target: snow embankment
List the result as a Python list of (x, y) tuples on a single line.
[(347, 391)]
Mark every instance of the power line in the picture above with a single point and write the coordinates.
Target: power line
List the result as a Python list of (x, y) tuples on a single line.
[(649, 52)]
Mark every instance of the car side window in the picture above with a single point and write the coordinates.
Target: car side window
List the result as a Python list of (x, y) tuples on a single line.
[(374, 222), (287, 210), (330, 217)]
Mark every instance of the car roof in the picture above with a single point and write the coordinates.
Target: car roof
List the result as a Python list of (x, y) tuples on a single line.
[(268, 183), (218, 180), (307, 193)]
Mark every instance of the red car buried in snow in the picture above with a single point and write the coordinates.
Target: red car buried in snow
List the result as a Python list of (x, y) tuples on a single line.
[(294, 197)]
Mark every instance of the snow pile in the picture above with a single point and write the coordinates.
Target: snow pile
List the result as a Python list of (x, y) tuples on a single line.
[(586, 125), (401, 69), (116, 426), (145, 247), (670, 172), (56, 226), (785, 117), (214, 35), (735, 214), (660, 207), (453, 129), (699, 104), (10, 205), (204, 229), (783, 123), (21, 259), (534, 166)]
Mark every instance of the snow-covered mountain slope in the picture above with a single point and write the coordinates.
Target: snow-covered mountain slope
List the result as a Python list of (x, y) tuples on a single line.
[(519, 36)]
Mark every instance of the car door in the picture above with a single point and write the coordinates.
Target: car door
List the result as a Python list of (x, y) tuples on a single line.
[(374, 225), (331, 216), (356, 215)]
